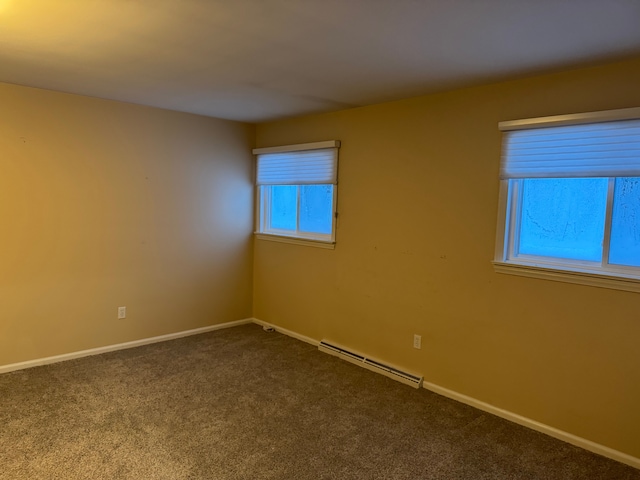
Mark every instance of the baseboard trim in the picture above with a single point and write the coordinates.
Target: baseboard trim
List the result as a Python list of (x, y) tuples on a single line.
[(287, 332), (119, 346), (473, 402), (499, 412), (534, 425)]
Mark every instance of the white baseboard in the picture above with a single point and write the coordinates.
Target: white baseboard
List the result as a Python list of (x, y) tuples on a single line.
[(119, 346), (534, 425), (480, 405), (288, 333), (499, 412)]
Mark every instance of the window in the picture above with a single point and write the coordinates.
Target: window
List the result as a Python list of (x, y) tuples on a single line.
[(297, 189), (570, 199)]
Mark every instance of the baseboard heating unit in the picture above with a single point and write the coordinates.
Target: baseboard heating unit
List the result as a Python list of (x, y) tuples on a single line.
[(369, 364)]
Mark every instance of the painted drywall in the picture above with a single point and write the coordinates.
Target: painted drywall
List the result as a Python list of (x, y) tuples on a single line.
[(105, 204), (417, 201)]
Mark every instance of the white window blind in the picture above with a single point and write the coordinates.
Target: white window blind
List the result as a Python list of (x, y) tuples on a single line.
[(304, 167), (602, 149)]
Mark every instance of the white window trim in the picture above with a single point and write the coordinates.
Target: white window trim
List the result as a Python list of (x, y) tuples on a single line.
[(284, 236), (298, 147), (571, 119), (296, 241), (566, 276), (612, 277)]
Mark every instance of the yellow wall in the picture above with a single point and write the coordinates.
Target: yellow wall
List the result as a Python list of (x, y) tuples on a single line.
[(418, 194), (105, 204)]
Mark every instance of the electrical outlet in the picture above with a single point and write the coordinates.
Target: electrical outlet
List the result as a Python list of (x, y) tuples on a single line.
[(417, 342), (122, 312)]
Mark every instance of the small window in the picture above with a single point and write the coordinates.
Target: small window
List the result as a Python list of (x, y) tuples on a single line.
[(570, 197), (296, 193)]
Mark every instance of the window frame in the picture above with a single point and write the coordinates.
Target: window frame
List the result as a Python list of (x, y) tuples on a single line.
[(263, 230), (263, 226), (508, 261)]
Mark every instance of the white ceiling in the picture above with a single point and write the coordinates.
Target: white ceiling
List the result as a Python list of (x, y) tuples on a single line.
[(256, 60)]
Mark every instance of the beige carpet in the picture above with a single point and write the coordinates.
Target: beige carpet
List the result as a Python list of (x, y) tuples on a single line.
[(245, 404)]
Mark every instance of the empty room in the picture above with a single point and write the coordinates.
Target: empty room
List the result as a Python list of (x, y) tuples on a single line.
[(304, 239)]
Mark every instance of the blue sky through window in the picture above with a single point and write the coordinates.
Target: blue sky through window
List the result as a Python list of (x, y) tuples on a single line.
[(284, 205), (315, 203), (315, 208), (625, 224), (563, 217)]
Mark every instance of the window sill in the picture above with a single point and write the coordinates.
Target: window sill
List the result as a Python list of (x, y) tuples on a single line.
[(296, 241), (628, 284)]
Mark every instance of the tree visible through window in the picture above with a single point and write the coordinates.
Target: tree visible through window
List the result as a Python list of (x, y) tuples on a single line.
[(565, 218), (572, 193)]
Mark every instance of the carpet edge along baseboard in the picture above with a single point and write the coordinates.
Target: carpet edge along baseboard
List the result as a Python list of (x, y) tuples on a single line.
[(473, 402), (118, 346), (499, 412)]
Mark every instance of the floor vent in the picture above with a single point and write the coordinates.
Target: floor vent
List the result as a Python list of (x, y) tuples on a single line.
[(369, 364)]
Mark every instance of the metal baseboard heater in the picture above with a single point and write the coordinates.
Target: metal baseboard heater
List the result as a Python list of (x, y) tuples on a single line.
[(369, 364)]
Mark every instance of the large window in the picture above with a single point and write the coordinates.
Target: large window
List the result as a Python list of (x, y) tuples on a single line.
[(297, 190), (570, 199)]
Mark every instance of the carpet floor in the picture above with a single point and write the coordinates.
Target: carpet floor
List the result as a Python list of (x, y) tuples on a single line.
[(242, 403)]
